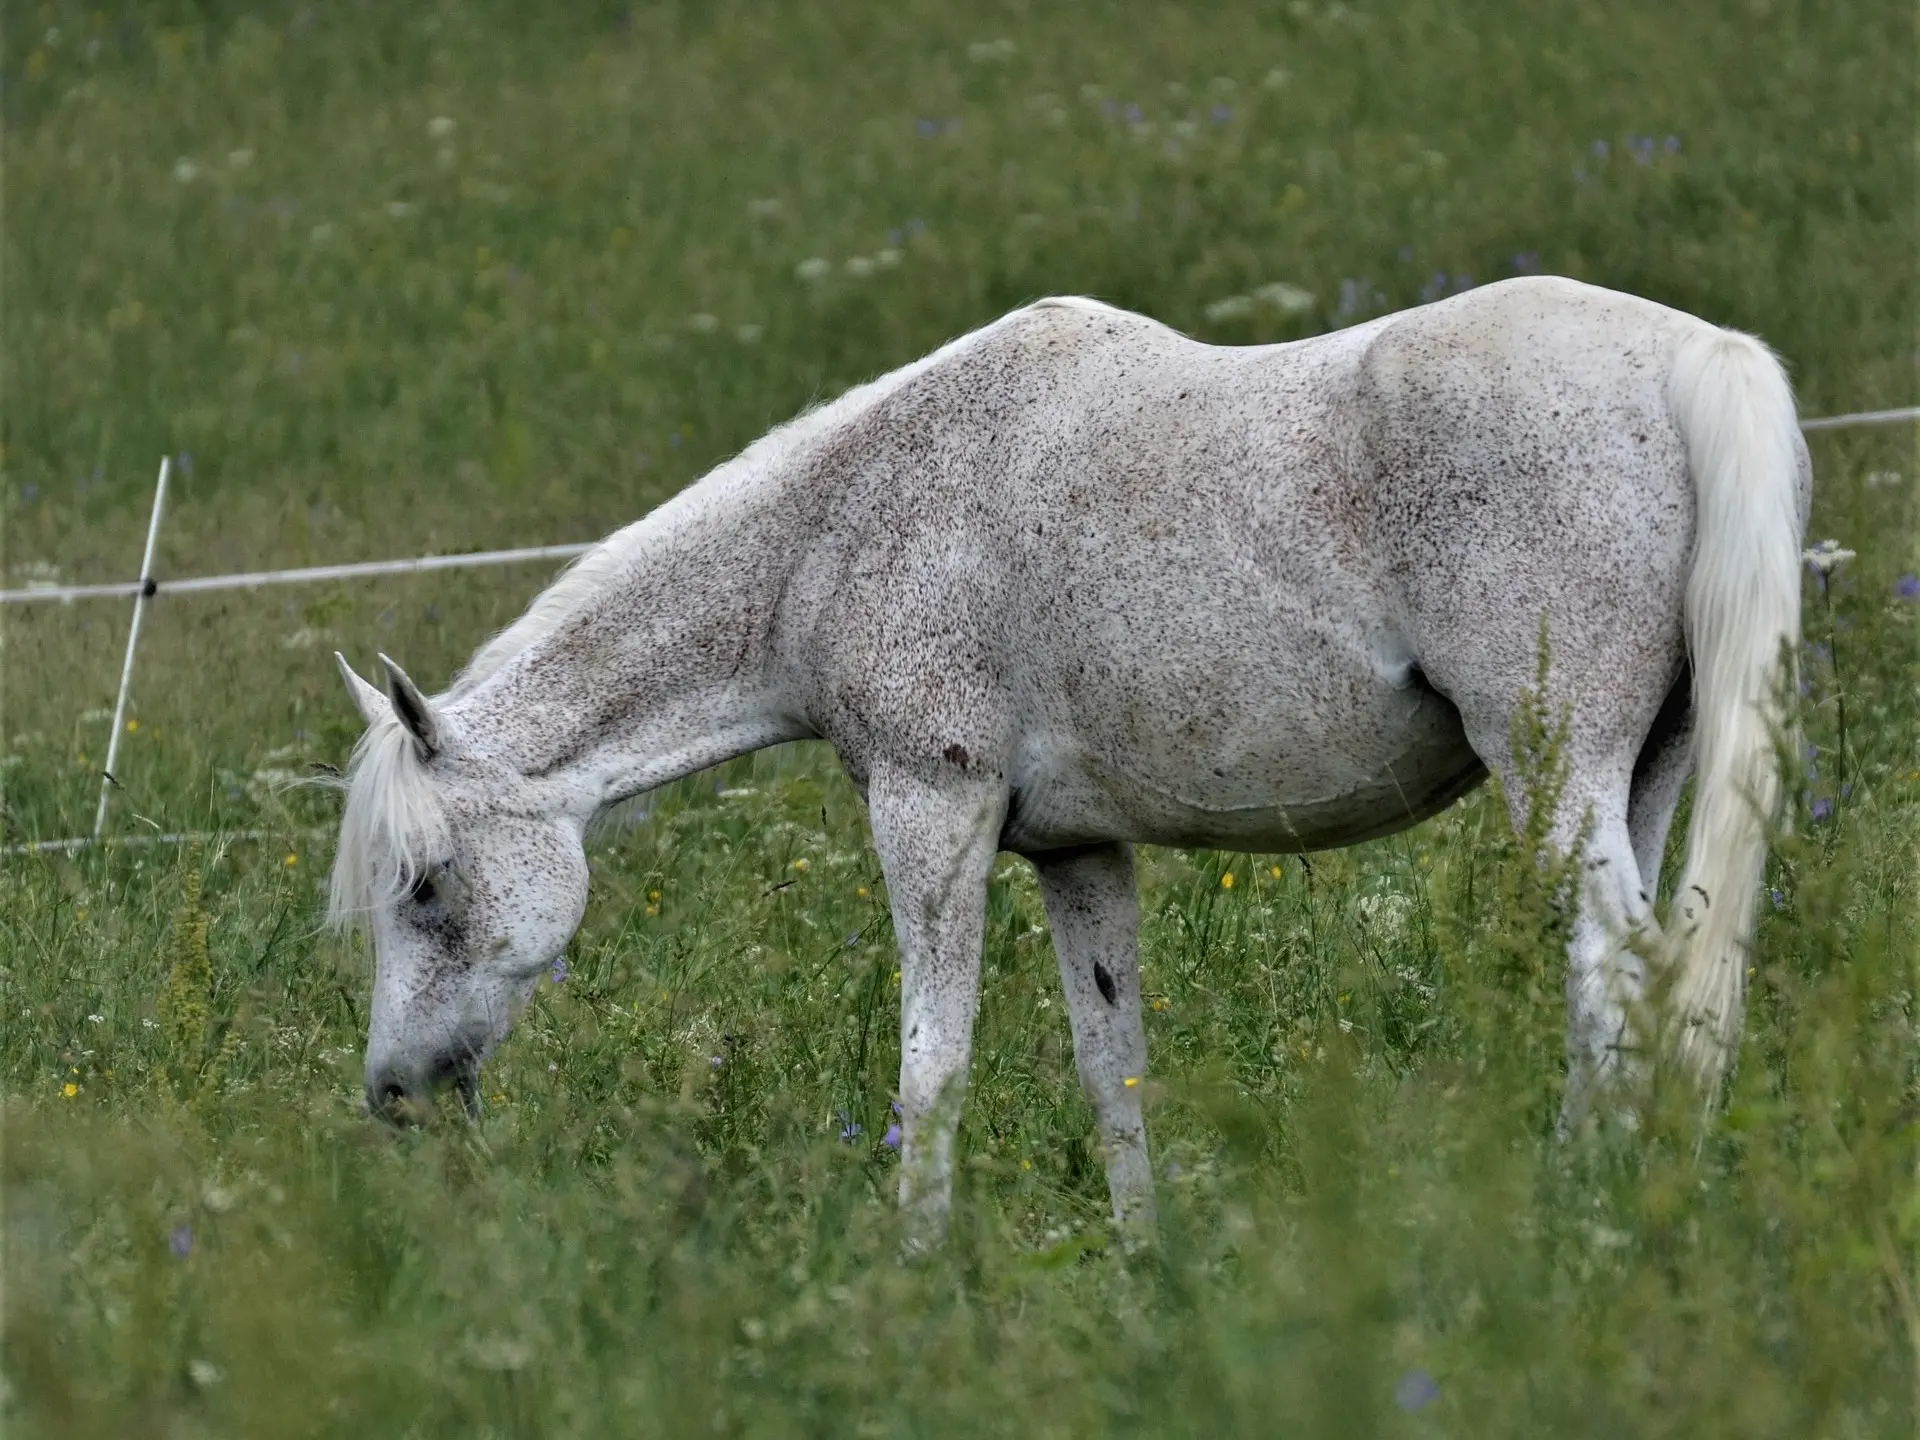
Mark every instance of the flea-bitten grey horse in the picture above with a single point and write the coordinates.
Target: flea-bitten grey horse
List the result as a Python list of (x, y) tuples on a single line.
[(1075, 581)]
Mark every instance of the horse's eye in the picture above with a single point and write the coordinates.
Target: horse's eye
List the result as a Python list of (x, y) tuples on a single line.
[(422, 893)]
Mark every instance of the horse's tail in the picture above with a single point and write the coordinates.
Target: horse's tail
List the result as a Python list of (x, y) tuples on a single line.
[(1736, 412)]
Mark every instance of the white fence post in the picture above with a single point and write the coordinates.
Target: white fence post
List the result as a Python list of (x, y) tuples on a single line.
[(107, 782)]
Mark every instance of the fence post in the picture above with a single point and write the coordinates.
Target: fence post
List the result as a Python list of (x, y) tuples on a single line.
[(107, 782)]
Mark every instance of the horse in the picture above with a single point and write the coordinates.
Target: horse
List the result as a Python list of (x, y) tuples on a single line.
[(1075, 582)]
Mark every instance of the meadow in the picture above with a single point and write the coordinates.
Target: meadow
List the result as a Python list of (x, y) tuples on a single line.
[(388, 280)]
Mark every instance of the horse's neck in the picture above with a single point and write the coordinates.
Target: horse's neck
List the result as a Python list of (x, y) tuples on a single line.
[(665, 664)]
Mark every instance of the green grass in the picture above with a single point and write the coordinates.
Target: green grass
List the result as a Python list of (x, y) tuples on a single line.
[(242, 237)]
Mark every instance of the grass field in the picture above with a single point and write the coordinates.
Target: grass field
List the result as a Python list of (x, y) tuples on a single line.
[(396, 279)]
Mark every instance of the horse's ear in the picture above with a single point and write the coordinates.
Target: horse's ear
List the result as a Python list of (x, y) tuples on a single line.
[(412, 708), (367, 699)]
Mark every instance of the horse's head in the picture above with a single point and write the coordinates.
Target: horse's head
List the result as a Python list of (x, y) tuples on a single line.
[(470, 880)]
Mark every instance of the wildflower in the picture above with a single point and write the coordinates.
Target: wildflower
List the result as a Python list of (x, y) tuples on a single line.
[(861, 891), (1161, 1002), (716, 1061), (768, 209), (850, 1128), (240, 159), (1221, 114), (1826, 557), (399, 209), (896, 980), (801, 864), (703, 323), (1907, 587), (69, 1089), (95, 1019), (859, 267), (559, 969), (186, 171), (1133, 114), (1822, 809), (1416, 1390), (1226, 881), (1275, 79), (180, 1242), (892, 1138), (748, 334), (1026, 1164), (441, 126), (813, 269), (205, 1373), (1599, 149), (291, 861), (1132, 1082), (133, 727), (1287, 299), (1234, 307), (1778, 897)]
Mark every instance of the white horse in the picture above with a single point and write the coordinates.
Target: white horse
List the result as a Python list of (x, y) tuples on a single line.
[(1075, 581)]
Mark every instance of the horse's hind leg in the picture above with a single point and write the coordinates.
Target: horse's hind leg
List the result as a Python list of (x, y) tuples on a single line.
[(1095, 918), (936, 840), (1660, 774)]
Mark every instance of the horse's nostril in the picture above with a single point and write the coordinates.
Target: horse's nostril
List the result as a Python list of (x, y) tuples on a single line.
[(392, 1093)]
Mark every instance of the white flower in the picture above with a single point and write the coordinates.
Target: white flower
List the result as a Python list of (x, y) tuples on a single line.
[(1826, 557), (441, 126), (886, 259), (399, 209), (859, 267), (1287, 299), (321, 234), (704, 323), (186, 171), (95, 1019), (813, 269), (240, 159), (748, 334), (1234, 307), (205, 1373), (1276, 79), (984, 50), (768, 209)]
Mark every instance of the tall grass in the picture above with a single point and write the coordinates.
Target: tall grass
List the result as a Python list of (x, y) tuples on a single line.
[(475, 274)]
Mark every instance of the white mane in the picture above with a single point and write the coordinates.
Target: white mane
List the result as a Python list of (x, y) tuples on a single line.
[(391, 828)]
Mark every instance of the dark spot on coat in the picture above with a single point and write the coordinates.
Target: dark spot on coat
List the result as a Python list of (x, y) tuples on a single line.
[(956, 754), (1104, 981)]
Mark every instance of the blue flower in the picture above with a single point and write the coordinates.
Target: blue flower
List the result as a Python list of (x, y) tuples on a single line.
[(850, 1128), (560, 971), (1134, 114), (180, 1242), (1822, 809), (1907, 587), (1526, 262), (892, 1138), (1416, 1390), (1778, 897), (1599, 149), (1222, 114)]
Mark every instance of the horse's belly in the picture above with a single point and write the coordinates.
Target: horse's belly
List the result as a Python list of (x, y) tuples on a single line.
[(1269, 784)]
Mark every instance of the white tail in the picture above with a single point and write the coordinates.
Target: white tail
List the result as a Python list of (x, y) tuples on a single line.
[(1736, 412)]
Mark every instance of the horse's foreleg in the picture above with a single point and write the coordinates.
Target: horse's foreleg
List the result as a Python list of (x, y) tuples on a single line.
[(936, 840), (1095, 918)]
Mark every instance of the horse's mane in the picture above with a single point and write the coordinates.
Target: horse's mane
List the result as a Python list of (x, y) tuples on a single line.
[(392, 828)]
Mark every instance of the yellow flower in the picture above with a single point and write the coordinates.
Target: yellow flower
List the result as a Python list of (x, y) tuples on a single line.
[(498, 1099), (801, 864), (1226, 881), (291, 860), (132, 725), (861, 891), (1276, 872), (653, 896), (1131, 1082), (1026, 1164), (1161, 1002), (896, 977), (652, 910), (69, 1090)]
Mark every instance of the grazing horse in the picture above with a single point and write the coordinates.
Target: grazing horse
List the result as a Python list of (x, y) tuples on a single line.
[(1075, 581)]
